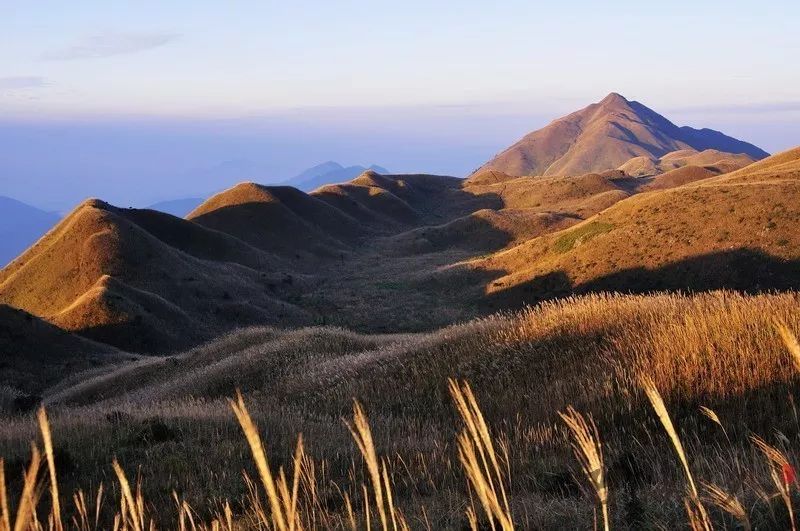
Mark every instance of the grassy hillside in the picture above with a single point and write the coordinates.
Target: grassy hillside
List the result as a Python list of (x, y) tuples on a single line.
[(732, 231), (36, 355), (146, 281), (719, 350)]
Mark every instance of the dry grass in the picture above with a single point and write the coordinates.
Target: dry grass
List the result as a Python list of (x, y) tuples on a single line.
[(589, 451), (720, 351), (478, 457)]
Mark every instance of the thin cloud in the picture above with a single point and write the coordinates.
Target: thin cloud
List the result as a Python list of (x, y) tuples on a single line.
[(110, 44), (22, 82), (744, 108)]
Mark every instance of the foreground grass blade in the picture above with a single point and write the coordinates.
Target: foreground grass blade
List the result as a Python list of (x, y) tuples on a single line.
[(589, 451), (697, 514), (479, 460)]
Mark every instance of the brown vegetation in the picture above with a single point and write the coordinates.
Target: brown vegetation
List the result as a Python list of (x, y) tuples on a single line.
[(616, 133), (720, 351)]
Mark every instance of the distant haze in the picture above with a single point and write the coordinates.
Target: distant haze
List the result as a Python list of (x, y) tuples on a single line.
[(53, 164), (141, 104)]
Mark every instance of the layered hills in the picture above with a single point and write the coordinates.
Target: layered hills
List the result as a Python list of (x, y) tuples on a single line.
[(143, 280), (400, 253), (736, 230), (606, 135)]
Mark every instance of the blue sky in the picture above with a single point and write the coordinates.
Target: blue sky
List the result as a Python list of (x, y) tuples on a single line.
[(391, 83)]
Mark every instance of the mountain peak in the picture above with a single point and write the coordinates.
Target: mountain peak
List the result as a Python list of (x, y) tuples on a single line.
[(604, 136), (614, 98)]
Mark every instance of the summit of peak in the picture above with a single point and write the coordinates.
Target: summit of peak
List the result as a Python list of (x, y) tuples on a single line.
[(614, 99)]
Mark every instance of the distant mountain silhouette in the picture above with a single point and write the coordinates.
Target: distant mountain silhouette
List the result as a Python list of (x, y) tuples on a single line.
[(177, 207), (604, 136), (328, 173), (20, 226)]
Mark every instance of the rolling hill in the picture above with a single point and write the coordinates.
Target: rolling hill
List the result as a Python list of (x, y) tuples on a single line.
[(606, 135), (145, 281), (736, 230), (404, 253), (35, 355)]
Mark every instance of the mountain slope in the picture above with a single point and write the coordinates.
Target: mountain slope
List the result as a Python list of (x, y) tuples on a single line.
[(20, 226), (378, 253), (605, 135), (715, 160), (145, 281), (737, 230), (279, 219)]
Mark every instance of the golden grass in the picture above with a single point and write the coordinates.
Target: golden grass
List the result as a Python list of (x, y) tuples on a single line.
[(698, 517), (479, 459), (781, 473), (728, 503), (588, 450), (707, 358), (378, 474), (283, 505)]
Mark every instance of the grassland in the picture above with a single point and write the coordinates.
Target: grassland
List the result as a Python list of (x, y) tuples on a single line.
[(717, 360)]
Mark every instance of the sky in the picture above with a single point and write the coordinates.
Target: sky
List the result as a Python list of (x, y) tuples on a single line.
[(145, 101)]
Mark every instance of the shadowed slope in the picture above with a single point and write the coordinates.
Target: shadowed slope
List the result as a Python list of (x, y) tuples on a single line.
[(35, 354), (604, 136)]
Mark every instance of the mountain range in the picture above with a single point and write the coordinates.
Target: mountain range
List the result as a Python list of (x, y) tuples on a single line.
[(399, 253)]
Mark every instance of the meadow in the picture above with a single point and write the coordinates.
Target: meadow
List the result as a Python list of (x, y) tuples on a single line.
[(656, 411)]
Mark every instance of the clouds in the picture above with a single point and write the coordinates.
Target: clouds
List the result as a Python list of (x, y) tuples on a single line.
[(22, 82), (110, 44)]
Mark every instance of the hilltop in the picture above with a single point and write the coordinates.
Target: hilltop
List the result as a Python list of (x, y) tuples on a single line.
[(606, 135), (144, 280)]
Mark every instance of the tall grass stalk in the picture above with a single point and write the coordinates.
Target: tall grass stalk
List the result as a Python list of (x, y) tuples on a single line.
[(728, 503), (780, 469), (378, 473), (44, 427), (479, 460), (283, 505), (26, 511), (5, 516), (588, 451), (694, 506)]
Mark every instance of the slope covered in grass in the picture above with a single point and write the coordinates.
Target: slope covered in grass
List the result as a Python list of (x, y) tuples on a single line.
[(718, 350), (145, 281), (736, 231)]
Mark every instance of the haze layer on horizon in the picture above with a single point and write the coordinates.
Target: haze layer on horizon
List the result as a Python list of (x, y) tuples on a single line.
[(148, 101)]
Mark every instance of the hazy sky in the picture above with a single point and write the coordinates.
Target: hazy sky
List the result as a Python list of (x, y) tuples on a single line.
[(99, 97)]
